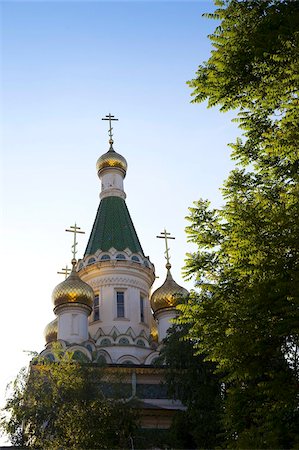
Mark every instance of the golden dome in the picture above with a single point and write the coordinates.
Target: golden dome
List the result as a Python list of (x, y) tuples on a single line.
[(73, 290), (111, 159), (51, 331), (168, 294)]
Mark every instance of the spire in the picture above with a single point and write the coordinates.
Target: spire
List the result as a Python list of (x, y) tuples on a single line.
[(165, 235), (113, 226), (65, 271), (167, 295), (74, 229), (110, 118)]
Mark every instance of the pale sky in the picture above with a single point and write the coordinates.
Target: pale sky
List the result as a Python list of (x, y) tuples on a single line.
[(65, 65)]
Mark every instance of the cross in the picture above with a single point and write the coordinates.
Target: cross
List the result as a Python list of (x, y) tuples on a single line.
[(166, 236), (65, 271), (110, 118), (74, 229)]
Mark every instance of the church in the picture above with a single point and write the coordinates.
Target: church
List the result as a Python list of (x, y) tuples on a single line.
[(105, 311)]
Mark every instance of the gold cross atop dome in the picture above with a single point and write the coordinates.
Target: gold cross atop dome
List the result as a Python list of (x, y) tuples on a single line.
[(65, 271), (76, 230), (110, 118), (165, 235)]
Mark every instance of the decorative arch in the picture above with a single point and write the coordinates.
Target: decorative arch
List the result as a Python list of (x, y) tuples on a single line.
[(141, 342), (76, 349), (124, 339), (103, 355), (151, 357), (91, 260), (90, 346), (105, 342), (135, 258), (105, 257), (128, 359), (47, 354), (120, 257)]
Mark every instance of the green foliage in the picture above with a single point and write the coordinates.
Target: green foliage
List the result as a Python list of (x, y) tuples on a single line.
[(254, 68), (191, 379), (245, 317), (60, 404)]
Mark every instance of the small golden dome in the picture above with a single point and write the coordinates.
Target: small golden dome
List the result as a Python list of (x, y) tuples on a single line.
[(73, 290), (111, 159), (154, 330), (168, 294), (51, 331)]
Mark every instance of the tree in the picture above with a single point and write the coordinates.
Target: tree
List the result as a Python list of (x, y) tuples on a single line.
[(189, 378), (246, 316), (62, 405)]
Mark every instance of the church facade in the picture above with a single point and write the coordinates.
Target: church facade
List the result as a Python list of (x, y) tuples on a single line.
[(105, 312)]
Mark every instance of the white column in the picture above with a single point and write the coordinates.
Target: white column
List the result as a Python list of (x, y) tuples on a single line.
[(73, 323), (112, 183), (164, 321)]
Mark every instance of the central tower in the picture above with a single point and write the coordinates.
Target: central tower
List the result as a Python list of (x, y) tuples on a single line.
[(115, 266)]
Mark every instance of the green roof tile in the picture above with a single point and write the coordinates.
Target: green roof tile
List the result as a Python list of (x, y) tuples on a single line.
[(113, 227)]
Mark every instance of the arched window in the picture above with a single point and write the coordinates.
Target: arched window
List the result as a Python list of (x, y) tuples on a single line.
[(135, 258), (105, 257), (120, 256), (91, 261), (79, 356), (124, 341), (105, 342), (140, 342)]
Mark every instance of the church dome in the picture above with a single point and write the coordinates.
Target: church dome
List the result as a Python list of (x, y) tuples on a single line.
[(113, 160), (51, 331), (73, 290), (168, 294)]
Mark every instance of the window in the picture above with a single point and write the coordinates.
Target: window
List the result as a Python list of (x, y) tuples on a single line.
[(120, 304), (105, 257), (135, 258), (120, 256), (105, 342), (141, 309), (91, 261), (96, 308), (124, 341)]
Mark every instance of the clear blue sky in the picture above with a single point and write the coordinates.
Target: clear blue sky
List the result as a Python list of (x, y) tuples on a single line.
[(66, 65)]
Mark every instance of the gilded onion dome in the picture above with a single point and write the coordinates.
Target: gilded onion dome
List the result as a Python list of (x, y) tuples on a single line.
[(111, 159), (168, 294), (73, 290), (51, 331)]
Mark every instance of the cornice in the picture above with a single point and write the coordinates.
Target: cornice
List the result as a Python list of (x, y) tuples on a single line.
[(121, 281)]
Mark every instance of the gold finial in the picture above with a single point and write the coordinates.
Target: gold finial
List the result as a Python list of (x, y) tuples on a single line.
[(65, 271), (74, 229), (110, 118), (166, 236)]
